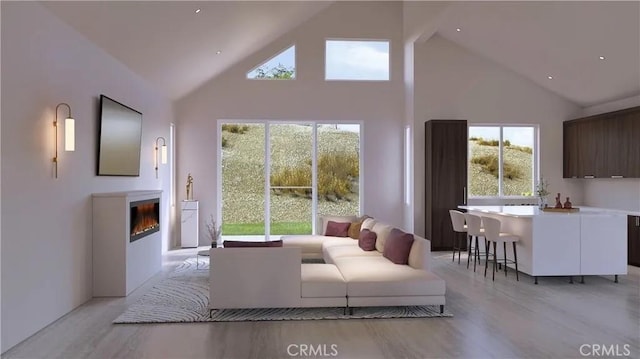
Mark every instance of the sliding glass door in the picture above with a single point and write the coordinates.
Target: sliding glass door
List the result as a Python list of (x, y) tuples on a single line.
[(241, 178), (291, 178), (275, 178)]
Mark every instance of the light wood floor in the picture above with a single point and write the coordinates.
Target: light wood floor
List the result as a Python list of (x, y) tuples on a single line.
[(503, 319)]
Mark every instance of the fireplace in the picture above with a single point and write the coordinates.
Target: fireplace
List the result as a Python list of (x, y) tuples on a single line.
[(144, 218)]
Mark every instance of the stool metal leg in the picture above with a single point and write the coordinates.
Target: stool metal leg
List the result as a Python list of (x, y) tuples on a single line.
[(469, 250), (504, 248), (476, 254), (486, 255), (456, 246), (495, 260), (515, 259)]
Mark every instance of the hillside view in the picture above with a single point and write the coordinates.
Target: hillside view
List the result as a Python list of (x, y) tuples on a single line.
[(243, 180)]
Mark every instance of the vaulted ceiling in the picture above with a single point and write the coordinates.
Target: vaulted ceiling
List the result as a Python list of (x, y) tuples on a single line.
[(176, 49), (563, 40), (172, 46)]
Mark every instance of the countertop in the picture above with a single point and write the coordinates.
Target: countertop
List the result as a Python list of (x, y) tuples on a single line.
[(532, 211)]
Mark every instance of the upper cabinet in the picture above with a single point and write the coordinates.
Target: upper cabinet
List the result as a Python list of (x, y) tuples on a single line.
[(603, 146)]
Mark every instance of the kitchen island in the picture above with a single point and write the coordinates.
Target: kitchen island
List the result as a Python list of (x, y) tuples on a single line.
[(588, 242)]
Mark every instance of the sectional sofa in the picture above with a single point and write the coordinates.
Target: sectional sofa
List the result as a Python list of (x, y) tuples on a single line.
[(350, 277)]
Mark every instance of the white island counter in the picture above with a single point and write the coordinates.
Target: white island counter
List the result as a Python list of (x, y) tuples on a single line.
[(588, 242)]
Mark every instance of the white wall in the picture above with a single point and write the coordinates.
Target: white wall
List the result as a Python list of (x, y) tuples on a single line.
[(46, 222), (378, 105), (453, 83), (612, 193)]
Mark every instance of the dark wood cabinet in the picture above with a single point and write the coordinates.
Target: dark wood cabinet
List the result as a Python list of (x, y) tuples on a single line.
[(446, 143), (633, 246), (603, 146)]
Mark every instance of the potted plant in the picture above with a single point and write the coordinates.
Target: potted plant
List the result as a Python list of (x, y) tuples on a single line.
[(214, 231)]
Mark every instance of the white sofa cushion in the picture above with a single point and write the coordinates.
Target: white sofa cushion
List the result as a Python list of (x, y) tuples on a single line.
[(420, 253), (322, 281), (309, 243), (378, 277), (382, 231), (331, 253)]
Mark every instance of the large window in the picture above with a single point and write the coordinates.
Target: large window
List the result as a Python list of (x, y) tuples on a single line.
[(357, 60), (502, 161), (275, 178)]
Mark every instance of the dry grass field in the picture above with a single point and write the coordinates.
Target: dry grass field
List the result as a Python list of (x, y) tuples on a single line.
[(243, 176), (483, 170)]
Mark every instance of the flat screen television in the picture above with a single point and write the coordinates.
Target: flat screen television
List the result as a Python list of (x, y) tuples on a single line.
[(119, 139)]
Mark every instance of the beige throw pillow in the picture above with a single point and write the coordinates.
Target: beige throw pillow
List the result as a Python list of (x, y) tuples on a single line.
[(368, 224), (382, 230), (354, 229)]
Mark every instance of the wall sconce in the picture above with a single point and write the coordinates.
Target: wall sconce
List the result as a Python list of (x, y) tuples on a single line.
[(163, 153), (69, 135)]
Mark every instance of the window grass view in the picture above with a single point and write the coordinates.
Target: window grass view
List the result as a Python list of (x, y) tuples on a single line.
[(491, 176), (291, 188)]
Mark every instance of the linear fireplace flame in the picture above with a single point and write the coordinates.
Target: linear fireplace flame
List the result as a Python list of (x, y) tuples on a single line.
[(145, 218)]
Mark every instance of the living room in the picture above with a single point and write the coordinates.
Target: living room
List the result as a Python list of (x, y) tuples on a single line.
[(436, 72)]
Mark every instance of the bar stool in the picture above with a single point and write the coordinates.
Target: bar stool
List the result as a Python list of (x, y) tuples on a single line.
[(457, 221), (474, 229), (493, 235)]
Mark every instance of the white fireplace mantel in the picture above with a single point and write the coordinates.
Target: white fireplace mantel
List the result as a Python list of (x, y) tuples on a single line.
[(120, 266)]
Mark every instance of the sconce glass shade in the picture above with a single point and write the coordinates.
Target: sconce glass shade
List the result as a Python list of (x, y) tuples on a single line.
[(69, 134), (163, 154)]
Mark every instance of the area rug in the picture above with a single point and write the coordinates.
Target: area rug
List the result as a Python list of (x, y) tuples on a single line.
[(183, 297)]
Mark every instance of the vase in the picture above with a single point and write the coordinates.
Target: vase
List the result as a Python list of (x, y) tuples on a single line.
[(542, 202)]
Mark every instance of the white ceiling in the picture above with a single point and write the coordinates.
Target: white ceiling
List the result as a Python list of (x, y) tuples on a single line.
[(559, 39), (175, 49)]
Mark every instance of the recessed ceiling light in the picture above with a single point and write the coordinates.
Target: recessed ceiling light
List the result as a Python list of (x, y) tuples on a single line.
[(197, 11), (458, 29), (218, 52), (550, 77), (601, 57)]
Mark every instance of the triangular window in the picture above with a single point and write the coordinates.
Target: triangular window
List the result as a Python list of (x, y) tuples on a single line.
[(280, 67)]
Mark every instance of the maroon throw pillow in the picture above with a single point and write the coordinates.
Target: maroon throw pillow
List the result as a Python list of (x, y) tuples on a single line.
[(398, 246), (337, 229), (367, 240), (246, 244)]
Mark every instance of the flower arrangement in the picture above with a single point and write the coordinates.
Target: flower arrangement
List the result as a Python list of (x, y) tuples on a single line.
[(542, 192), (541, 188), (214, 231)]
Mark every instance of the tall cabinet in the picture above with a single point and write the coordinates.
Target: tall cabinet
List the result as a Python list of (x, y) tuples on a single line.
[(446, 143)]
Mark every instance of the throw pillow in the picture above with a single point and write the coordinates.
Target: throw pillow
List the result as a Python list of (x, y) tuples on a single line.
[(367, 240), (354, 230), (398, 246), (337, 229), (356, 226), (246, 244), (324, 220)]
